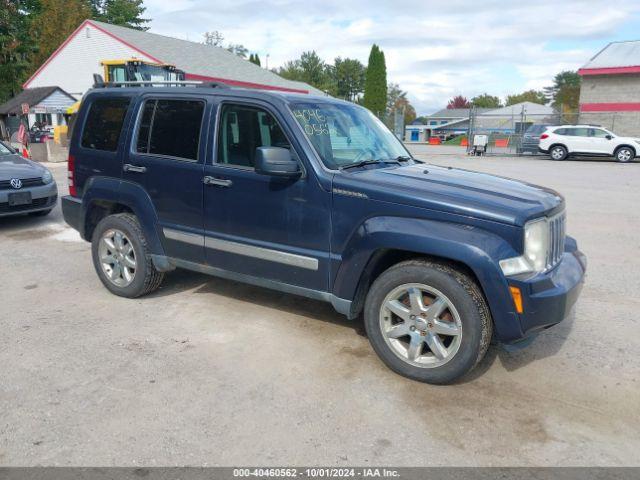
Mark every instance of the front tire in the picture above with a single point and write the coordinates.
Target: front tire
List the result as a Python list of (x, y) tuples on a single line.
[(427, 321), (624, 154), (121, 257), (558, 153)]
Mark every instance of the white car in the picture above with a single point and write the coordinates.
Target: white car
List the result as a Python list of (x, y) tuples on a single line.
[(564, 140)]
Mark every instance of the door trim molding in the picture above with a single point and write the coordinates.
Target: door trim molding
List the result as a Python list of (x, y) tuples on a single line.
[(278, 256)]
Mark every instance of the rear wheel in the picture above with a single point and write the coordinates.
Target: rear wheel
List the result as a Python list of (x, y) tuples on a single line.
[(427, 321), (624, 154), (121, 257), (558, 153)]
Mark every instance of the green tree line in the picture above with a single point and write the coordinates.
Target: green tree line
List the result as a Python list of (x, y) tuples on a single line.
[(30, 30), (563, 95)]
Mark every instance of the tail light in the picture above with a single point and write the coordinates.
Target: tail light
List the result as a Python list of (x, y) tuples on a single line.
[(543, 136), (71, 176)]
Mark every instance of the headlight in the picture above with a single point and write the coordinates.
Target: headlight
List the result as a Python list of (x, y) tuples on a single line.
[(47, 177), (536, 246)]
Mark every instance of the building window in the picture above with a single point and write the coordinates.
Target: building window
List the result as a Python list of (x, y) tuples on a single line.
[(170, 128), (433, 122), (104, 123)]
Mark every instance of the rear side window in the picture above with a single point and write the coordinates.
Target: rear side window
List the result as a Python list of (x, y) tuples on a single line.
[(104, 123), (577, 132), (170, 128)]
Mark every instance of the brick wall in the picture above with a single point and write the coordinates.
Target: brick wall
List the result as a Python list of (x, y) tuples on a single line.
[(610, 88)]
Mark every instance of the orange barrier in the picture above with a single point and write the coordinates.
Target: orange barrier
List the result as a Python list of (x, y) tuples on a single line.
[(434, 141), (464, 142), (502, 142)]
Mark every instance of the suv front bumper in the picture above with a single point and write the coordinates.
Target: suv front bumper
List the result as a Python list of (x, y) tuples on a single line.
[(548, 298)]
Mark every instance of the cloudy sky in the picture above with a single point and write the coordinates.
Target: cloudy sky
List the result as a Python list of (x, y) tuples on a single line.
[(434, 49)]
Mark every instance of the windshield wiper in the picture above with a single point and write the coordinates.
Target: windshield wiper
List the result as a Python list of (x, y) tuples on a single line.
[(362, 163), (403, 158)]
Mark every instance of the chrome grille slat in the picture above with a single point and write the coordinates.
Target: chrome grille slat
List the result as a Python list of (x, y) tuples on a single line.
[(557, 230)]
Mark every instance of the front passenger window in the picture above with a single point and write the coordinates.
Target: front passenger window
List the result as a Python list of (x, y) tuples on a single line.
[(243, 129)]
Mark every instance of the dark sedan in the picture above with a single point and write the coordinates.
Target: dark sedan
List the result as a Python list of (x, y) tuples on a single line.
[(25, 186)]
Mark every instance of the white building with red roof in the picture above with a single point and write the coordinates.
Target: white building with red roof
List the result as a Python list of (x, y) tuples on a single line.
[(72, 65)]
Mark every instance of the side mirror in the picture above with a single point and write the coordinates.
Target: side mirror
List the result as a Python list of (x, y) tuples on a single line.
[(608, 137), (277, 162)]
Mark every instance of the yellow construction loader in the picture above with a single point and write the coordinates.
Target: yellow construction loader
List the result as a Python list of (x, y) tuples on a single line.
[(130, 70)]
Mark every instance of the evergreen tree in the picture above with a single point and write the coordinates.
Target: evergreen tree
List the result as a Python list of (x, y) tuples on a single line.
[(375, 89), (255, 59), (17, 44), (126, 13)]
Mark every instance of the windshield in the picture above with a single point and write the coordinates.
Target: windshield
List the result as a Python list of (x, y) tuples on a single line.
[(4, 150), (346, 134)]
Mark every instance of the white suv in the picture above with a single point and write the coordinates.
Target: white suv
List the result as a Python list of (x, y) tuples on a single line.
[(564, 140)]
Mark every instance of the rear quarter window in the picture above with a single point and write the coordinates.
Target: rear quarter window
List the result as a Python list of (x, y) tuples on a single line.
[(103, 126)]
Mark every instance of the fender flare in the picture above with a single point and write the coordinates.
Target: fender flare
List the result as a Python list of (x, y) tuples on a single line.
[(129, 194), (476, 248)]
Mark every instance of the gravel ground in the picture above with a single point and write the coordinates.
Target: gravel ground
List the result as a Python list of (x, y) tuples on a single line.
[(212, 372)]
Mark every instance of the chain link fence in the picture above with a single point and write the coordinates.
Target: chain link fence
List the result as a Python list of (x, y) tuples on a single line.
[(519, 133)]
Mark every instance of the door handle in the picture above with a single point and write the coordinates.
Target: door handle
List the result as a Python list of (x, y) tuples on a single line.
[(127, 167), (218, 182)]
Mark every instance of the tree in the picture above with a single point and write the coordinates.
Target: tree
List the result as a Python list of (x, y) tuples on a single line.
[(458, 102), (126, 13), (565, 91), (397, 101), (309, 68), (348, 77), (291, 71), (486, 101), (313, 69), (238, 49), (57, 20), (255, 59), (213, 38), (17, 44), (375, 87), (535, 96)]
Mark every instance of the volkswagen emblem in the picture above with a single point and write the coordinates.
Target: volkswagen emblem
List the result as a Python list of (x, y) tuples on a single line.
[(16, 183)]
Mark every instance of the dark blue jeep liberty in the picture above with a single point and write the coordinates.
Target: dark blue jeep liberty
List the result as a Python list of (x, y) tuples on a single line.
[(316, 197)]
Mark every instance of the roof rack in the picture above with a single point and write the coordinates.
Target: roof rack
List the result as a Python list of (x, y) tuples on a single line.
[(98, 82)]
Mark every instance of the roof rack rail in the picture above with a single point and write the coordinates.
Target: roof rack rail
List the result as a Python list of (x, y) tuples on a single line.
[(152, 82)]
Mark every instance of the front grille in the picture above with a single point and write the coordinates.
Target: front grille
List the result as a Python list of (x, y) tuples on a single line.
[(26, 182), (557, 230), (37, 202)]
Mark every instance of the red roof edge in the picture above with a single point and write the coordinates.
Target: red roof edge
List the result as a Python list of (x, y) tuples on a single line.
[(609, 70), (71, 37), (610, 107), (240, 83)]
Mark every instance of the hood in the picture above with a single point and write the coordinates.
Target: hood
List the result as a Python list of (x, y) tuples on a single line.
[(15, 166), (455, 190)]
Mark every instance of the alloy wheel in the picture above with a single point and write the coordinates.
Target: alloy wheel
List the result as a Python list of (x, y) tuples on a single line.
[(117, 257), (420, 325), (624, 155), (557, 153)]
